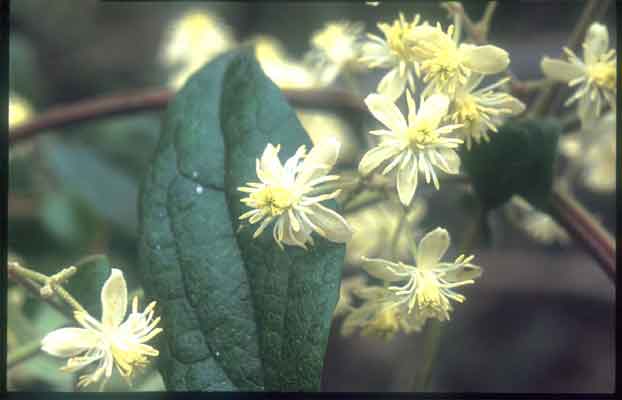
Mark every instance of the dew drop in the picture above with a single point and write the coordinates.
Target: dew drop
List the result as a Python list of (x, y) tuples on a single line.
[(199, 189), (217, 354), (195, 174)]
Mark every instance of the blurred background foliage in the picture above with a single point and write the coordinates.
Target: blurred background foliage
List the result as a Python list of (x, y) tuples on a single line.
[(541, 319)]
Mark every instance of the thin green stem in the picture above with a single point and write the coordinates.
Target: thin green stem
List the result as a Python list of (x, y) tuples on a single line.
[(431, 344), (23, 353)]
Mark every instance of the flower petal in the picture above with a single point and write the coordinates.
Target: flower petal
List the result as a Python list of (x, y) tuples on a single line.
[(386, 111), (451, 158), (114, 299), (486, 59), (392, 84), (596, 43), (560, 70), (320, 160), (376, 156), (334, 226), (68, 342), (432, 247), (432, 110), (407, 181), (384, 270)]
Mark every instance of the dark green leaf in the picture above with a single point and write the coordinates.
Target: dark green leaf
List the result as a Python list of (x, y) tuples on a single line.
[(519, 159), (87, 283), (238, 313)]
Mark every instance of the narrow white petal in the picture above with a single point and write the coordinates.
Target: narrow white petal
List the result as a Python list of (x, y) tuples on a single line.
[(382, 269), (596, 43), (114, 299), (68, 342), (319, 161), (560, 70), (386, 111), (432, 247), (432, 110), (335, 227), (393, 84), (486, 59), (452, 161), (407, 181), (376, 156)]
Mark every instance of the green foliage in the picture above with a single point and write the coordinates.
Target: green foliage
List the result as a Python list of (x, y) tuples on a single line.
[(237, 313), (518, 159), (86, 284)]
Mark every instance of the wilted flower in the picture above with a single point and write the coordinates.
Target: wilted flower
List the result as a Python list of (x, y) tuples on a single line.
[(285, 196), (334, 48), (193, 40), (429, 285), (285, 72), (595, 75), (445, 65), (109, 342), (413, 146), (393, 53), (538, 225), (482, 109)]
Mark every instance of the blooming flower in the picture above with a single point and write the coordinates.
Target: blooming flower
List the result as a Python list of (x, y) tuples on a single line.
[(540, 226), (193, 40), (595, 76), (284, 196), (482, 109), (109, 342), (446, 65), (429, 285), (416, 145), (393, 53), (335, 47)]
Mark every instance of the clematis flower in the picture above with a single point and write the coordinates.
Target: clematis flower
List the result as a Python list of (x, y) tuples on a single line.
[(429, 285), (395, 53), (595, 76), (285, 196), (109, 342), (447, 65), (480, 110), (417, 145)]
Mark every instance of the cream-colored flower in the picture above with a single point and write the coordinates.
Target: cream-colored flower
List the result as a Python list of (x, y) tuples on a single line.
[(428, 286), (447, 65), (394, 52), (482, 109), (335, 48), (374, 227), (288, 196), (194, 39), (415, 146), (381, 314), (110, 342), (346, 299), (595, 76), (20, 111), (540, 226), (321, 124), (280, 68)]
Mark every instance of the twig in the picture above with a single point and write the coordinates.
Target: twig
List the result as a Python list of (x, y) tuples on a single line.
[(585, 230), (35, 289)]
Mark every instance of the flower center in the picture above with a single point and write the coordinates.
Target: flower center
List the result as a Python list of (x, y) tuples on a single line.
[(428, 293), (421, 135), (466, 110), (397, 42), (275, 200), (603, 74)]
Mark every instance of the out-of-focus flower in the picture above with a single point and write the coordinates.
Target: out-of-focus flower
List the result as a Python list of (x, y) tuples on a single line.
[(395, 53), (109, 342), (320, 125), (413, 146), (335, 48), (194, 39), (346, 299), (593, 151), (540, 226), (429, 284), (284, 196), (283, 71), (482, 109), (595, 76), (446, 65), (20, 111), (374, 227), (372, 3)]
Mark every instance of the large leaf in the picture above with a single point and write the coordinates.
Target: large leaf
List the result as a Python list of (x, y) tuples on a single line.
[(237, 313), (518, 159)]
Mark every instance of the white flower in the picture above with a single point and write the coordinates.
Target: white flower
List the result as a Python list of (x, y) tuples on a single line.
[(334, 48), (482, 109), (414, 146), (20, 111), (538, 225), (393, 53), (109, 342), (193, 40), (595, 75), (445, 65), (284, 196), (429, 285)]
